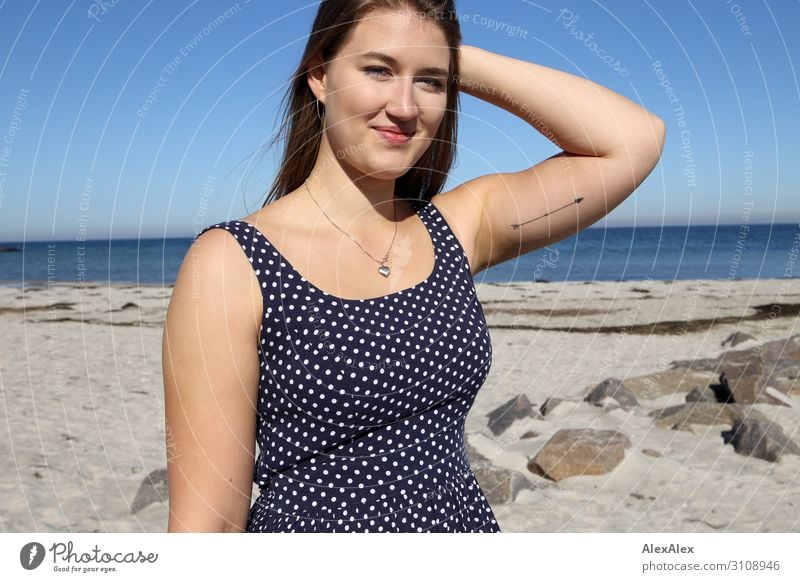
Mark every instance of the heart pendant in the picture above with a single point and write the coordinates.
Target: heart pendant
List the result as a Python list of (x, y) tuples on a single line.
[(384, 270)]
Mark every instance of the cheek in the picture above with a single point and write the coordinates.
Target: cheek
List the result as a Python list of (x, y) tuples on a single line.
[(349, 113), (434, 109), (434, 121), (347, 141), (341, 125)]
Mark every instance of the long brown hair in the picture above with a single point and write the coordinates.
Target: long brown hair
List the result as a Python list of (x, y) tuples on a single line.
[(301, 127)]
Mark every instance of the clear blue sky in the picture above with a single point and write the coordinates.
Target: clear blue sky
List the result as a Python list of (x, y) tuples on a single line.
[(74, 75)]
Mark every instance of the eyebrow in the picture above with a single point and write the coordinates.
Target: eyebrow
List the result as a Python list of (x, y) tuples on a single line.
[(390, 60)]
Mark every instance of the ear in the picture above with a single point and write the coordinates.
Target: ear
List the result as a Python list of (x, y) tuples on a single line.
[(317, 78)]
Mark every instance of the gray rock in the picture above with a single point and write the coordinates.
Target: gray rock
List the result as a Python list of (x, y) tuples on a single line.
[(701, 394), (501, 485), (575, 452), (788, 369), (786, 379), (736, 337), (750, 388), (515, 409), (774, 355), (680, 417), (749, 372), (747, 361), (668, 382), (474, 457), (787, 350), (741, 363), (498, 484), (549, 405), (612, 393), (760, 438), (700, 364), (152, 489)]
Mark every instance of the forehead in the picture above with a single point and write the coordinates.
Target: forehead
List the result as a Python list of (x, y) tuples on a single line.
[(403, 34)]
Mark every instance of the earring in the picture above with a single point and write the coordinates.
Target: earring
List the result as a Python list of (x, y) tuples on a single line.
[(319, 115)]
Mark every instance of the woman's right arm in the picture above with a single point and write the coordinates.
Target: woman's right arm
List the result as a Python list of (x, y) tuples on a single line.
[(211, 371)]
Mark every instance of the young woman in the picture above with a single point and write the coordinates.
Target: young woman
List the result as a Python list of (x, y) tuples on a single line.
[(338, 326)]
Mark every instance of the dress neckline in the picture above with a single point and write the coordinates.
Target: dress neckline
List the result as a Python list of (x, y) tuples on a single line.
[(407, 290)]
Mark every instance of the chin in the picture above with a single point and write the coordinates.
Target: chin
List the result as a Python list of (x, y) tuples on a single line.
[(389, 168)]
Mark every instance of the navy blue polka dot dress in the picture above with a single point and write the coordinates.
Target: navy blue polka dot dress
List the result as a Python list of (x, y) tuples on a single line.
[(362, 402)]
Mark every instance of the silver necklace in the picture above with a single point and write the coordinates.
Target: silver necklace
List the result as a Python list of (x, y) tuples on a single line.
[(384, 268)]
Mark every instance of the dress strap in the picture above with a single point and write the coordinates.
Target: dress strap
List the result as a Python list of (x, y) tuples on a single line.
[(243, 234)]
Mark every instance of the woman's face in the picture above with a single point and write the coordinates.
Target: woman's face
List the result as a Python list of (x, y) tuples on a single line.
[(369, 98)]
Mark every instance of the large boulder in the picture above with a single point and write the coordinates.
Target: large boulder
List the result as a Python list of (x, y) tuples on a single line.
[(743, 387), (775, 363), (669, 382), (682, 416), (576, 452)]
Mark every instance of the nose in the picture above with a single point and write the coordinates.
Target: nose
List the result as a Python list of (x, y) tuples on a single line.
[(403, 103)]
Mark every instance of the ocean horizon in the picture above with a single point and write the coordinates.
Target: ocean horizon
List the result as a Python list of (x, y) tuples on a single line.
[(610, 253)]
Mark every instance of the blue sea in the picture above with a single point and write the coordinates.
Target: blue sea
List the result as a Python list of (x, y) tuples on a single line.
[(754, 251)]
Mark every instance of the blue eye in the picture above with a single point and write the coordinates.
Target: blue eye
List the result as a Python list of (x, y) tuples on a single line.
[(434, 83), (377, 71)]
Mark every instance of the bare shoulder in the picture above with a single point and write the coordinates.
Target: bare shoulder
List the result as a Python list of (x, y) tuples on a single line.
[(461, 208), (216, 274)]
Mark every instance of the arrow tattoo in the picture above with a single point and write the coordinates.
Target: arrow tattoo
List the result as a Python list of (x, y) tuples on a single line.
[(576, 201)]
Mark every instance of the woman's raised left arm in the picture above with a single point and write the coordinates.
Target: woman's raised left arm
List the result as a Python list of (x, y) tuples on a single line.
[(609, 146)]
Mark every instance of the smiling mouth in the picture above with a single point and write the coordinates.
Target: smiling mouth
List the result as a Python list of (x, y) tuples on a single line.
[(394, 137)]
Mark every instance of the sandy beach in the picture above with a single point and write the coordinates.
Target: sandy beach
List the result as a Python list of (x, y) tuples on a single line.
[(82, 397)]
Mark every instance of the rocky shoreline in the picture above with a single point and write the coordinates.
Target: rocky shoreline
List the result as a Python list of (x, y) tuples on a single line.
[(763, 374)]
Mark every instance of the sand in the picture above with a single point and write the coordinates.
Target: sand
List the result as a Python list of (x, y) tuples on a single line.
[(82, 397)]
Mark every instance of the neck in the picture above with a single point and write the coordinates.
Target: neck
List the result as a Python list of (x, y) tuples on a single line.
[(354, 201)]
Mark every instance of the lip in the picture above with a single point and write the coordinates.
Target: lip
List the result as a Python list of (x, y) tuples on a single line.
[(394, 136)]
